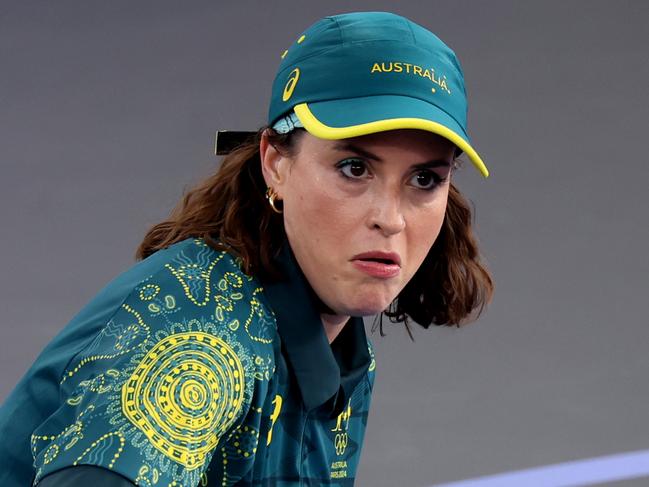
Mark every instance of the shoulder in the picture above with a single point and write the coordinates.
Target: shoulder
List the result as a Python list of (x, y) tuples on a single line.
[(186, 286), (200, 283), (176, 368), (190, 296), (190, 282)]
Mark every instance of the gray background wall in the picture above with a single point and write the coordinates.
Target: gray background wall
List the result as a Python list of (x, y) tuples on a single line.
[(108, 111)]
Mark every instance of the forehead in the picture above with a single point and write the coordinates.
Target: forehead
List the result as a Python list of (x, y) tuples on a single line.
[(408, 141)]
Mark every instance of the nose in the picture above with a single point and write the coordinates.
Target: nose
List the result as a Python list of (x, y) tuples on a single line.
[(386, 215)]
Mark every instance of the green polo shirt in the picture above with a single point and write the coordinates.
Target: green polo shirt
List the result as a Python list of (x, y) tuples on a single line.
[(185, 371)]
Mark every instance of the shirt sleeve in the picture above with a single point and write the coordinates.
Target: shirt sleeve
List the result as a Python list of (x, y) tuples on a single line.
[(85, 475), (167, 382)]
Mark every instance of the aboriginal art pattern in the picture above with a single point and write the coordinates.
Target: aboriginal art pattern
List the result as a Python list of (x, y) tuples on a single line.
[(168, 380)]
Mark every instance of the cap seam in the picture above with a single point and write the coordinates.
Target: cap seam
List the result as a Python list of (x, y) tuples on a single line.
[(340, 31), (308, 56), (412, 32)]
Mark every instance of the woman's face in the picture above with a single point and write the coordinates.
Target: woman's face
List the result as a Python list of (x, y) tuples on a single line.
[(384, 192)]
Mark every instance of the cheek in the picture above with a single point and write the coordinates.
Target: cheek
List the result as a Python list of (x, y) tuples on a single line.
[(315, 210), (424, 227)]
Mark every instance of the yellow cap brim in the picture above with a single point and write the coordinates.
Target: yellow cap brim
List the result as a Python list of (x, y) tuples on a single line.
[(323, 131)]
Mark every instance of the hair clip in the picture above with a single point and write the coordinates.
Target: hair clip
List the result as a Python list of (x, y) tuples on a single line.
[(226, 141)]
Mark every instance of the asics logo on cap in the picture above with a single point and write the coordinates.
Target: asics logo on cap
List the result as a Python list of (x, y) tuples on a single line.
[(290, 84)]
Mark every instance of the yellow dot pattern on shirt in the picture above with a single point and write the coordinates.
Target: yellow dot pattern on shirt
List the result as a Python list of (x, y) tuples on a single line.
[(191, 273), (247, 430), (237, 444), (71, 434), (225, 463), (141, 328), (51, 453), (149, 291), (256, 310), (101, 439)]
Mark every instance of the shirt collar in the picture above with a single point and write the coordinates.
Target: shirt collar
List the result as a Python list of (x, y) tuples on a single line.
[(323, 372)]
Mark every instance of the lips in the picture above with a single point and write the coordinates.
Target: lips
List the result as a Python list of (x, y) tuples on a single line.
[(389, 258), (378, 264)]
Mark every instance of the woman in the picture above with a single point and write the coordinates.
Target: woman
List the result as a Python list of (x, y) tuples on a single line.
[(234, 353)]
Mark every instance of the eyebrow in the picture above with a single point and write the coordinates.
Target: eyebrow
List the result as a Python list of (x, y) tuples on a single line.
[(347, 146)]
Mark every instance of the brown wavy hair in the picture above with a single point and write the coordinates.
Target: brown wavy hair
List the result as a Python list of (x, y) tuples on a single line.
[(228, 210)]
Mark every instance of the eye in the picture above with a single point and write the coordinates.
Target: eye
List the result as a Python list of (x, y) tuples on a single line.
[(353, 168), (427, 180)]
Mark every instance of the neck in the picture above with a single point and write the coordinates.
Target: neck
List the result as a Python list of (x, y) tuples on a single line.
[(333, 324)]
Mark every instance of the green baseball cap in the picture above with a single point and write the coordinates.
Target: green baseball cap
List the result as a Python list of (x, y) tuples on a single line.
[(364, 72)]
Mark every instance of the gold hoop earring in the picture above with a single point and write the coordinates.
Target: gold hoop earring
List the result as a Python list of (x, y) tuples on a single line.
[(270, 196)]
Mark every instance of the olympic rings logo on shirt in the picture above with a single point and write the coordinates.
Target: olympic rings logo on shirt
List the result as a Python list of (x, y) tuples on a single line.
[(341, 442)]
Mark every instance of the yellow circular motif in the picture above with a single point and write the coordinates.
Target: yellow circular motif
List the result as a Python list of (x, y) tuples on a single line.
[(148, 292), (192, 394), (185, 394)]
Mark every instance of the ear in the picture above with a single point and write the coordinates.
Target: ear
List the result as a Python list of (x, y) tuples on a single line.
[(273, 163)]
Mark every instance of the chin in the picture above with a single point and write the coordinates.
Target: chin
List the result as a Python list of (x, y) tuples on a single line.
[(368, 305)]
